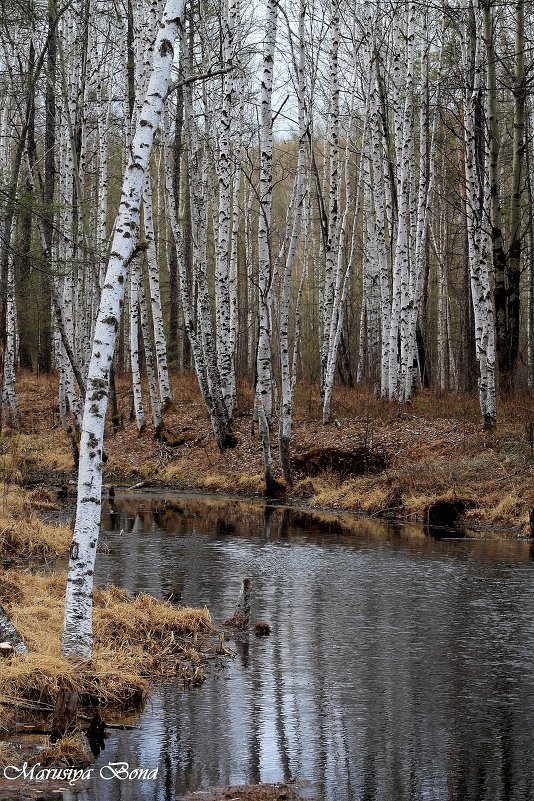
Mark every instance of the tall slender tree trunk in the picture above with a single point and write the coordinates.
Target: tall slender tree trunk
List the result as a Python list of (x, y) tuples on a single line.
[(286, 379), (518, 188), (478, 213), (77, 636), (264, 385), (173, 260)]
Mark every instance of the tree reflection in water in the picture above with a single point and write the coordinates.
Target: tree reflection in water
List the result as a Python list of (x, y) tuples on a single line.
[(398, 667)]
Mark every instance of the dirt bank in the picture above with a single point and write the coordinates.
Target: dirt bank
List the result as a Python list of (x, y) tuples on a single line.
[(136, 639), (435, 451)]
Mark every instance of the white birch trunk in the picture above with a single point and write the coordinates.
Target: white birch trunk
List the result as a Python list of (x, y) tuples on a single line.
[(479, 247), (263, 357), (135, 278), (77, 630), (153, 394), (404, 140), (155, 300), (297, 207), (334, 180), (9, 397), (225, 357), (340, 286)]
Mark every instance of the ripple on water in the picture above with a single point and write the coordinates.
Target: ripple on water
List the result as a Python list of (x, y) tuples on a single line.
[(396, 669)]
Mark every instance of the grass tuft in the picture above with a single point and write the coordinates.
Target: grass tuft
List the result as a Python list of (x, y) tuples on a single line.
[(134, 638)]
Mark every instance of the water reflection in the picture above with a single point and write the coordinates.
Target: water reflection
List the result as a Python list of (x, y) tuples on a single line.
[(398, 667)]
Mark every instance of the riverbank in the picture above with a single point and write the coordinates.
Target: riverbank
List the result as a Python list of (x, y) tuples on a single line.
[(136, 639), (434, 451)]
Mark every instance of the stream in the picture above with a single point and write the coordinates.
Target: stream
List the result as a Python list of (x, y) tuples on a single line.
[(399, 666)]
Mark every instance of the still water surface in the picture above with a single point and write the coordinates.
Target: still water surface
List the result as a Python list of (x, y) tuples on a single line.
[(398, 667)]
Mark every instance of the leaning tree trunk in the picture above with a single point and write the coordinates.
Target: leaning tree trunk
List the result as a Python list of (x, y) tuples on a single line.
[(77, 638)]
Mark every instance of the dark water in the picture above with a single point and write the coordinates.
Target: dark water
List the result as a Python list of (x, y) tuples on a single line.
[(398, 667)]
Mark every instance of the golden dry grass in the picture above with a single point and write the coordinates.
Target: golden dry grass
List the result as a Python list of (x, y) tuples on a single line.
[(22, 533), (71, 750), (8, 755), (134, 639), (232, 482)]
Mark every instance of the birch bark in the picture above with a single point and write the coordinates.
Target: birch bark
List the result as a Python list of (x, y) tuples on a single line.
[(225, 357), (264, 384), (77, 628), (287, 382), (263, 354), (478, 214), (155, 299)]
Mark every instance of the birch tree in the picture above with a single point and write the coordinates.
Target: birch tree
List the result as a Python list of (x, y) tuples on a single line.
[(477, 206), (77, 629), (264, 393), (296, 209)]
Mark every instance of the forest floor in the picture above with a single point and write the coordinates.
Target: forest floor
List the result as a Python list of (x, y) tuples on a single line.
[(434, 449)]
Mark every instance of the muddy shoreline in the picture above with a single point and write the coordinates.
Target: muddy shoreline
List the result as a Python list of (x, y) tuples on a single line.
[(64, 484)]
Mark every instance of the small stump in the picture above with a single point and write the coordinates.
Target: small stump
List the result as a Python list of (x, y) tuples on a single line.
[(261, 628), (65, 714), (241, 616)]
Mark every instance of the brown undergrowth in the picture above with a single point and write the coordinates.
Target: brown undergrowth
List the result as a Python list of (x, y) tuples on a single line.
[(134, 639), (435, 448)]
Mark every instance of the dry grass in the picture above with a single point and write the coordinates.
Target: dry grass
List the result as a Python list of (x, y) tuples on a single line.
[(134, 638), (232, 482), (22, 533), (71, 750), (249, 792), (47, 449), (8, 755)]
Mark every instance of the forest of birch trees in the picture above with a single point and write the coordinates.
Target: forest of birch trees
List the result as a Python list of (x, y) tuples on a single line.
[(316, 192), (262, 195)]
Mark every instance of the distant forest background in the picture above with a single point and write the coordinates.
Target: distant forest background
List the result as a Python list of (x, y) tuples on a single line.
[(338, 191)]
